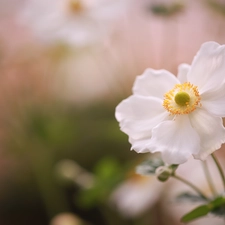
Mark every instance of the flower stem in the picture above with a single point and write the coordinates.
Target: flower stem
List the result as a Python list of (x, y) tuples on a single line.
[(190, 185), (219, 168), (208, 177)]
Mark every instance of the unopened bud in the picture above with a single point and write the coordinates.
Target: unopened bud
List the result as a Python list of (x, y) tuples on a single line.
[(163, 173)]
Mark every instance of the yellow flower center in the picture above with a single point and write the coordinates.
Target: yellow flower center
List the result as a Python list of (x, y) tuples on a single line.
[(75, 6), (182, 99)]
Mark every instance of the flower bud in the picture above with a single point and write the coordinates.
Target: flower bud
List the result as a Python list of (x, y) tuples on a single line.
[(163, 173)]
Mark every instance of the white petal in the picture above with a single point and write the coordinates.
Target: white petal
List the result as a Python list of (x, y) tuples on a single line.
[(210, 130), (140, 145), (214, 101), (175, 139), (208, 67), (183, 70), (154, 83), (139, 114)]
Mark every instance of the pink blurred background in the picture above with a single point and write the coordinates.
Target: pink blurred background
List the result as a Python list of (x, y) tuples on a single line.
[(57, 99)]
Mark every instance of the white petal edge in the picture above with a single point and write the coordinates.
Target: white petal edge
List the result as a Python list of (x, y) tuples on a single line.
[(140, 145), (175, 139), (137, 115), (208, 67), (211, 132), (183, 70), (154, 83), (214, 101)]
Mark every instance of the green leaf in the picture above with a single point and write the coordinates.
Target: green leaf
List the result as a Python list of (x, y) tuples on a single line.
[(217, 206), (219, 201), (200, 211)]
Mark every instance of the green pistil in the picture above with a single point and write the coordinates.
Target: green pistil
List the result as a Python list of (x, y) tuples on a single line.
[(182, 98)]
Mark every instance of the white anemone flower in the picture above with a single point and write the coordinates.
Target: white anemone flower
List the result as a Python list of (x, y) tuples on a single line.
[(75, 22), (178, 116)]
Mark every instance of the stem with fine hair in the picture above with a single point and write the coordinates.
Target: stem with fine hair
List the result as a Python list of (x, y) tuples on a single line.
[(219, 168), (191, 185)]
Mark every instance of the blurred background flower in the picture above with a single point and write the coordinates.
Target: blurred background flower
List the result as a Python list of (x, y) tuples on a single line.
[(76, 22), (63, 70)]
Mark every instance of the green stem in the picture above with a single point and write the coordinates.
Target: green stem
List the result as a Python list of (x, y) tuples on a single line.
[(190, 185), (219, 168), (209, 179)]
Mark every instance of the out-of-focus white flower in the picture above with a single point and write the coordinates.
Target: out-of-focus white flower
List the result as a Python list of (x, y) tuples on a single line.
[(76, 22), (137, 194), (178, 117)]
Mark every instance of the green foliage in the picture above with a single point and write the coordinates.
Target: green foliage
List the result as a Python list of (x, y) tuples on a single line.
[(50, 128), (214, 206), (200, 211), (108, 173), (44, 135), (216, 6), (148, 167), (189, 197)]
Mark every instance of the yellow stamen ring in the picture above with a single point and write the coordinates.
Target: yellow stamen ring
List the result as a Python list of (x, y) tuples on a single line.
[(182, 99)]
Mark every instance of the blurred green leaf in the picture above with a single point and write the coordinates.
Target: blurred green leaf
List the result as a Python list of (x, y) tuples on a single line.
[(200, 211), (217, 202), (148, 167), (166, 10), (216, 6), (189, 197), (106, 168), (50, 128), (216, 205), (108, 173)]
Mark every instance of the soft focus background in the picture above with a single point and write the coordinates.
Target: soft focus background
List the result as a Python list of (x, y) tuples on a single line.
[(64, 66)]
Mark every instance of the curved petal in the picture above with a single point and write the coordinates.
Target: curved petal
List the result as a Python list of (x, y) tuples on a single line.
[(139, 114), (183, 70), (154, 83), (140, 145), (210, 130), (208, 67), (176, 140), (214, 101)]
